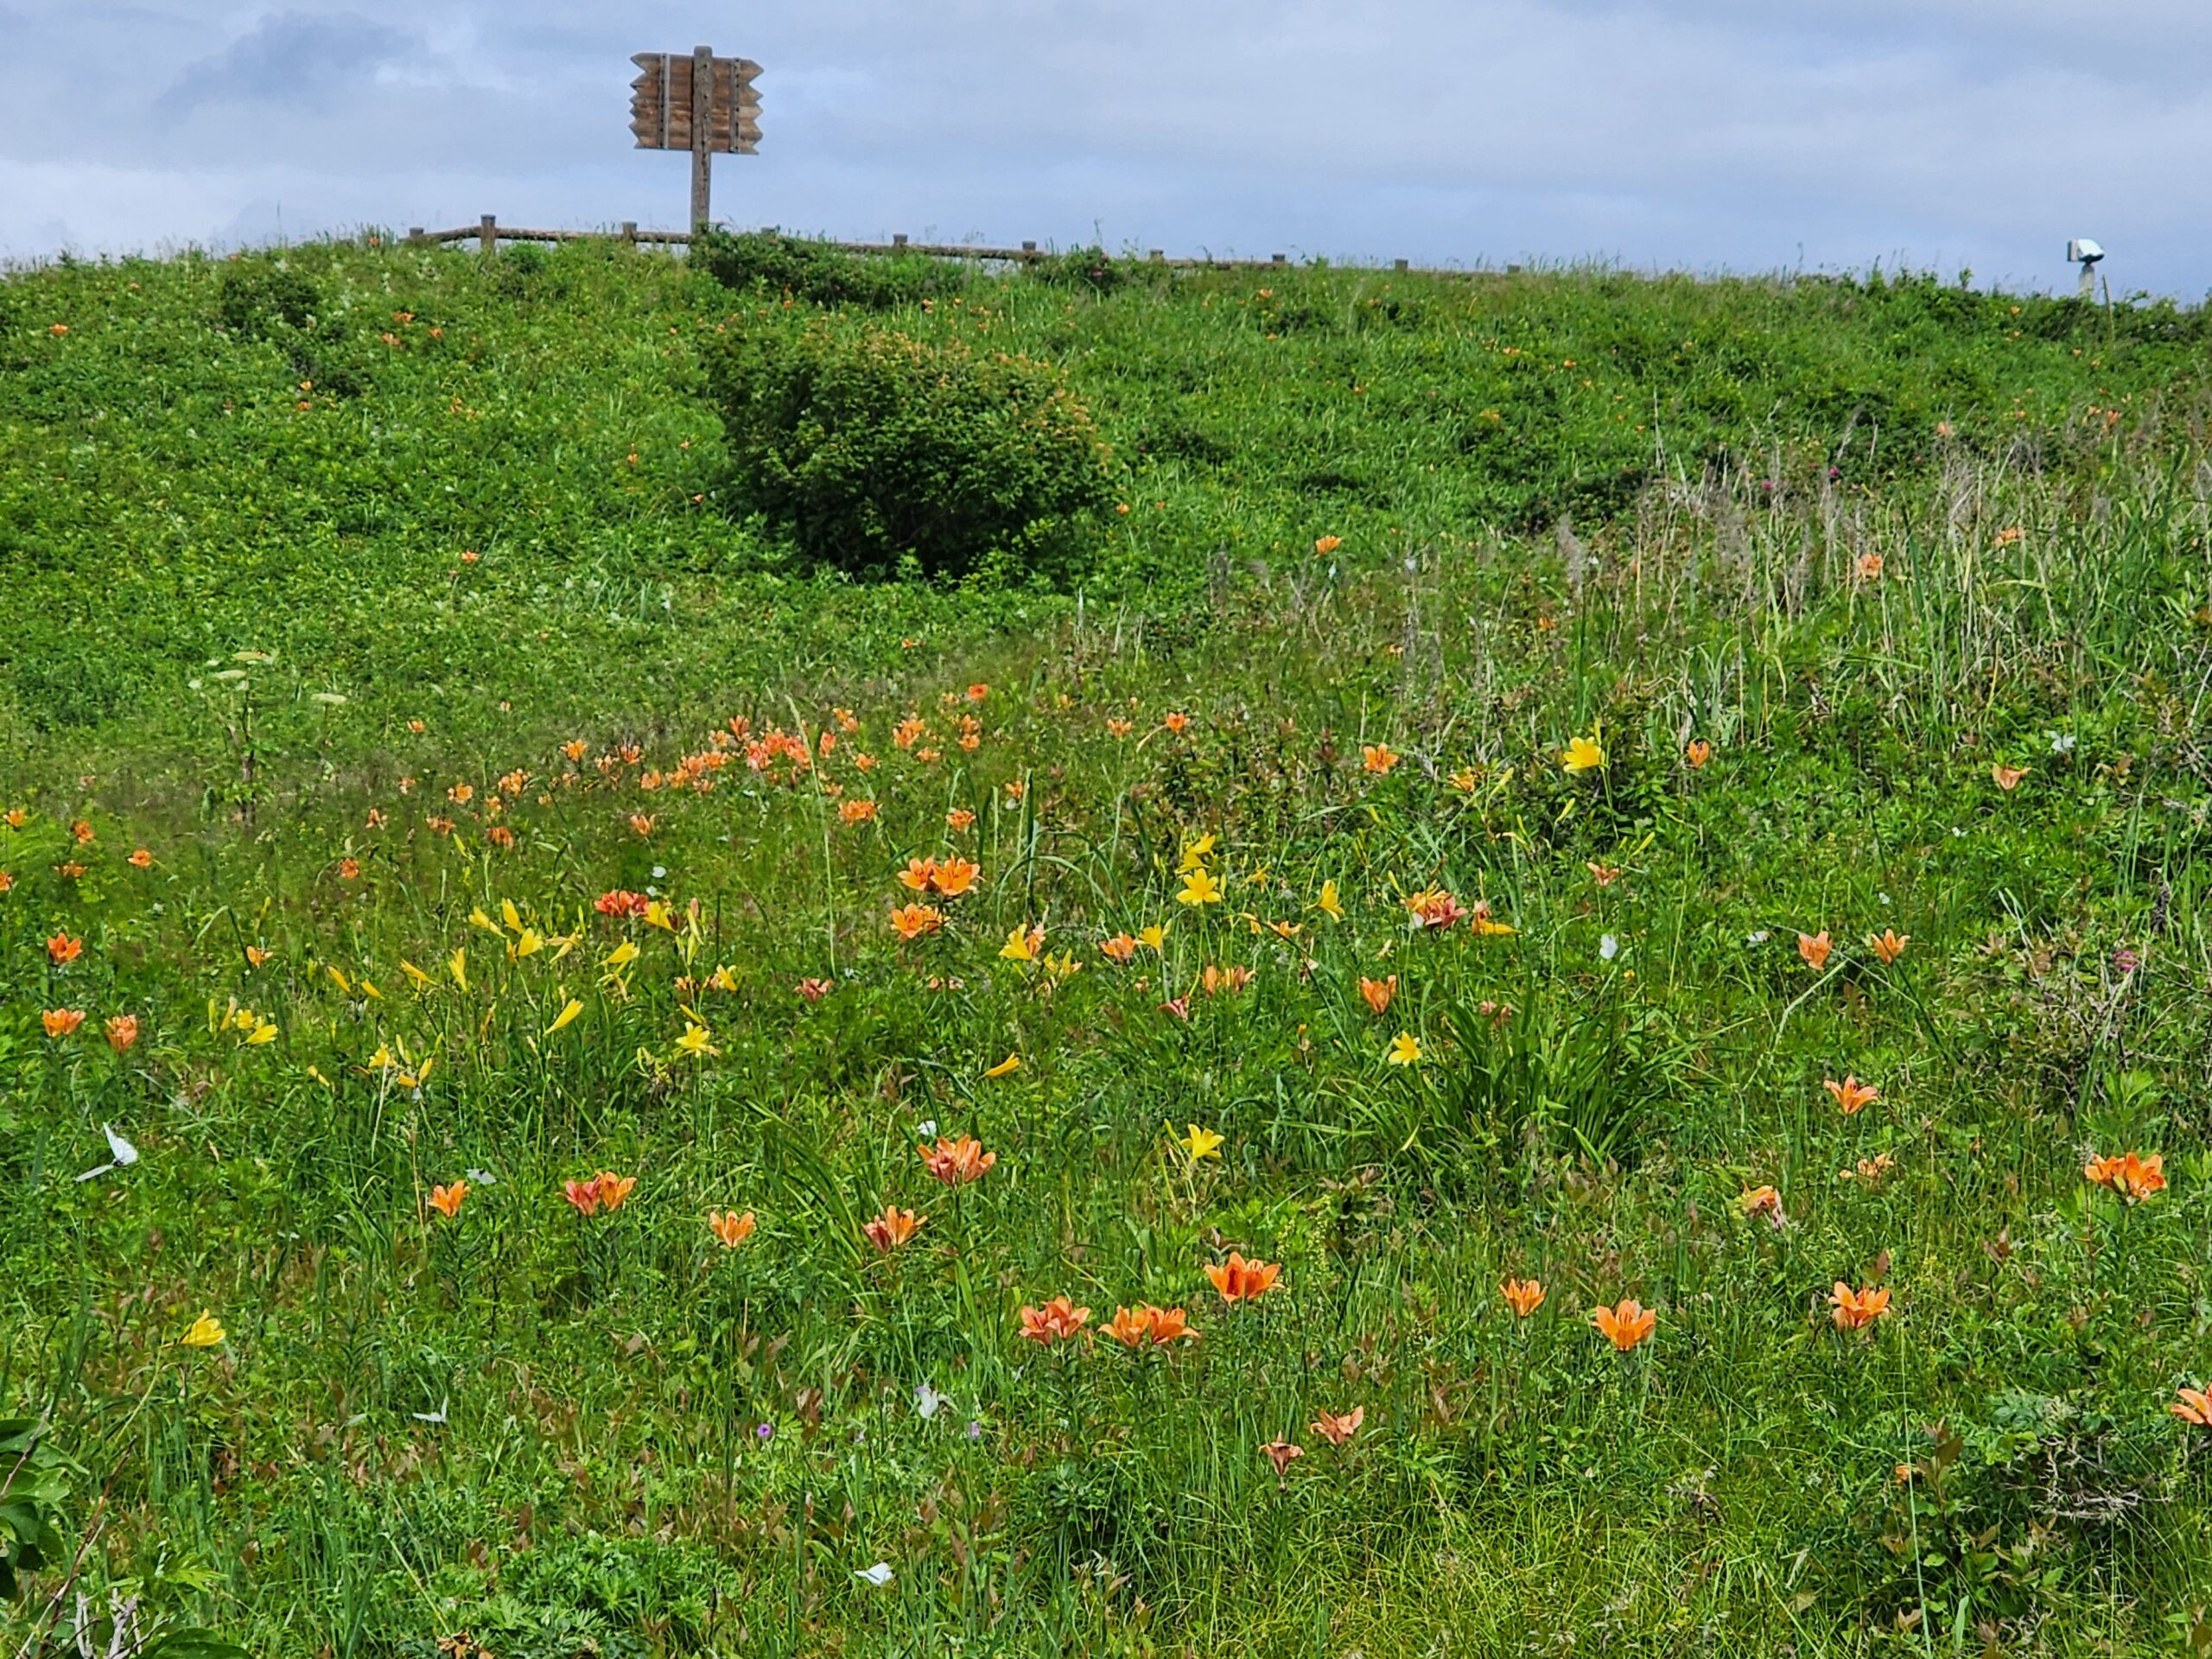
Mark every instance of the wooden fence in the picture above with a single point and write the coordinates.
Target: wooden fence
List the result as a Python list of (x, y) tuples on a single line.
[(488, 233)]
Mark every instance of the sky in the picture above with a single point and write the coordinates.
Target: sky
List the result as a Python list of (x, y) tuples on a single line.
[(1750, 136)]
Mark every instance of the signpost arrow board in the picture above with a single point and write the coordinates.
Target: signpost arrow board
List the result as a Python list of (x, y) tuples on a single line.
[(698, 102)]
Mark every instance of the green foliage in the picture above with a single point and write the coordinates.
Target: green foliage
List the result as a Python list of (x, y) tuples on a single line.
[(816, 272), (885, 455), (261, 296), (35, 1487), (397, 690), (1090, 269)]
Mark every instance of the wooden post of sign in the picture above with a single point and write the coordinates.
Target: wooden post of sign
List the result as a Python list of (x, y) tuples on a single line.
[(488, 234), (703, 123)]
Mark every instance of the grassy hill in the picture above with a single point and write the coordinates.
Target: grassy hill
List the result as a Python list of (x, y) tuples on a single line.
[(1573, 735)]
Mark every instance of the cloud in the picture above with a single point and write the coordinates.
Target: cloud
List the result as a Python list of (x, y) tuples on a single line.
[(290, 60)]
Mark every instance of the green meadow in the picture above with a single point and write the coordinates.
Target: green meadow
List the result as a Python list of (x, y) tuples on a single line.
[(1531, 975)]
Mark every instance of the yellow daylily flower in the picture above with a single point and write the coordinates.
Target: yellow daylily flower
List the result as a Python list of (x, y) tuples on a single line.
[(370, 990), (527, 943), (1199, 888), (1200, 1143), (1328, 904), (1195, 855), (1404, 1050), (569, 1011), (1005, 1068), (205, 1331), (264, 1032), (658, 915), (509, 914), (1583, 755), (478, 918), (621, 956), (457, 965), (1154, 937), (695, 1043), (414, 974), (1021, 944), (338, 979)]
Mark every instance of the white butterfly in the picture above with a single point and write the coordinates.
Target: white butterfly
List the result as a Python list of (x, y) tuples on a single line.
[(927, 1401), (879, 1575), (121, 1155), (437, 1416)]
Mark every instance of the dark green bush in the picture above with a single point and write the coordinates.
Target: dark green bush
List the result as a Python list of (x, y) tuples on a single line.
[(1092, 268), (822, 274), (258, 297), (885, 455)]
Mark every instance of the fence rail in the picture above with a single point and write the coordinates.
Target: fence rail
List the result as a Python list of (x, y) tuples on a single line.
[(488, 233)]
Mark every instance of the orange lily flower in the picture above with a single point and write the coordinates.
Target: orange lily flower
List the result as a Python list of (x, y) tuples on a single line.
[(1239, 1280), (61, 949), (1851, 1094), (1523, 1296), (1762, 1201), (582, 1196), (1814, 948), (2193, 1406), (1434, 907), (2134, 1176), (893, 1228), (446, 1200), (1281, 1453), (1177, 722), (1058, 1320), (911, 921), (61, 1022), (957, 875), (1698, 753), (2008, 777), (957, 1162), (1378, 992), (1856, 1309), (121, 1031), (1337, 1430), (1120, 949), (614, 1190), (1138, 1327), (1626, 1326), (732, 1229), (856, 811), (919, 875), (1377, 758), (1888, 944), (959, 818), (141, 859)]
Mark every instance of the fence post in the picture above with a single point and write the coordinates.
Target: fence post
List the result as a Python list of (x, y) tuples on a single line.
[(1278, 260), (1397, 264), (630, 231), (1159, 255), (899, 239), (414, 234), (488, 234)]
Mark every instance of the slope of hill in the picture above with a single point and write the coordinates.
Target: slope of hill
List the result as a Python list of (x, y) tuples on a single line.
[(1601, 892)]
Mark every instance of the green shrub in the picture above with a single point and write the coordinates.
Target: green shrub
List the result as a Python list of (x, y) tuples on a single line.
[(259, 297), (1092, 268), (886, 456), (823, 274)]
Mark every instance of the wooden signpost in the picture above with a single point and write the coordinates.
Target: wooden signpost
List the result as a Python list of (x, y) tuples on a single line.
[(701, 103)]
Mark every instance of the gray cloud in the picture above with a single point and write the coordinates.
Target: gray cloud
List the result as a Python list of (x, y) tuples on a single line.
[(1699, 133), (290, 61)]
